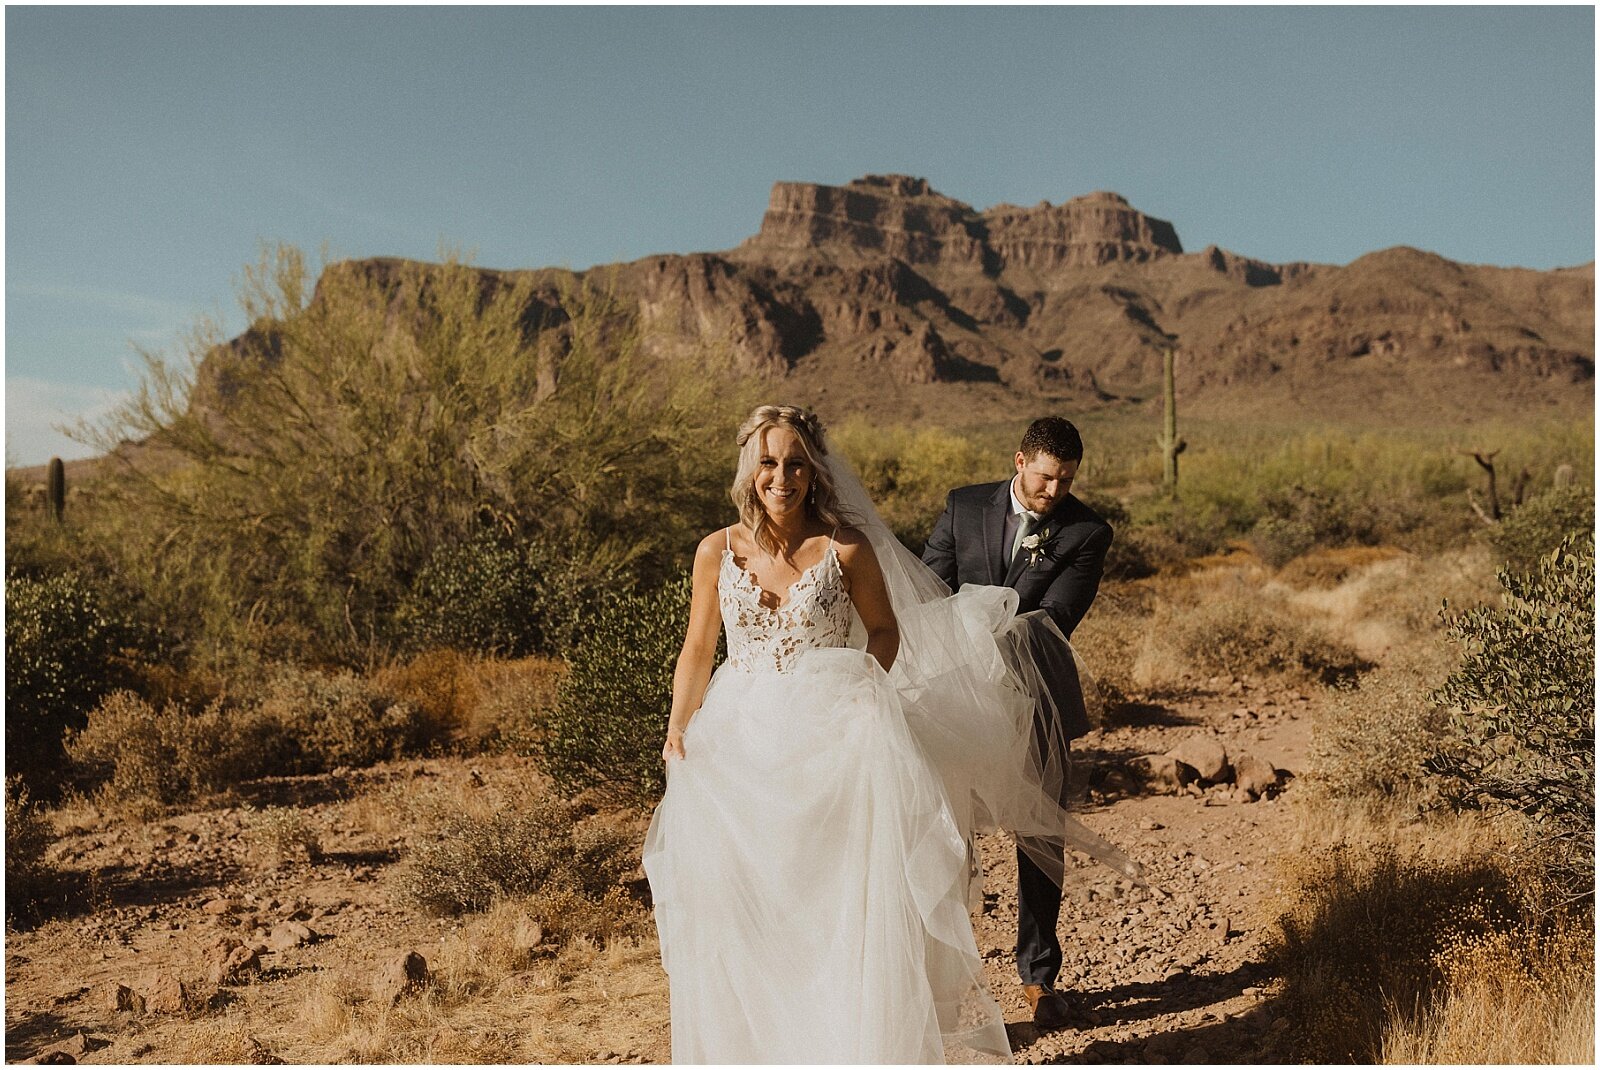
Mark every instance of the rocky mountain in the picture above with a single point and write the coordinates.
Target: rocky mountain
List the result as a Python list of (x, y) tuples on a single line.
[(897, 289)]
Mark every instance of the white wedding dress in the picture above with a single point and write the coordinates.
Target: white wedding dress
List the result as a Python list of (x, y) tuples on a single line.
[(809, 877), (810, 861)]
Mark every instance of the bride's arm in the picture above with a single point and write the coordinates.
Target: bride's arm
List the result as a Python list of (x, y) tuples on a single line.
[(699, 645), (870, 596)]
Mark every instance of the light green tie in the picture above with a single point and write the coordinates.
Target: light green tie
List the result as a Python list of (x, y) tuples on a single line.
[(1024, 529)]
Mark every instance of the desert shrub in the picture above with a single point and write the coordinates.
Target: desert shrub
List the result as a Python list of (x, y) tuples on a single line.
[(65, 648), (1372, 736), (1358, 940), (474, 596), (472, 862), (28, 835), (1237, 634), (1522, 996), (611, 714), (1521, 731), (1328, 568), (319, 721), (1535, 528), (1174, 530), (295, 721), (1108, 643), (1295, 520), (283, 835), (140, 755), (441, 685)]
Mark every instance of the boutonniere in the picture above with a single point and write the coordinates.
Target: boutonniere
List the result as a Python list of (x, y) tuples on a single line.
[(1034, 544)]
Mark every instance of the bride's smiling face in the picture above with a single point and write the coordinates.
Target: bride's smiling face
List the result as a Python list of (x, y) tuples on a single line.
[(783, 473)]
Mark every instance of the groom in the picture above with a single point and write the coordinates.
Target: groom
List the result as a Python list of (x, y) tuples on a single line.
[(1030, 533)]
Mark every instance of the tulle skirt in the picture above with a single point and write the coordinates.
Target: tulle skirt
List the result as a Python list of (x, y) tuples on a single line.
[(810, 879)]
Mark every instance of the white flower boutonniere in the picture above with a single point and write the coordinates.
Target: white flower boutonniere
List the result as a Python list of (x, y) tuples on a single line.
[(1034, 544)]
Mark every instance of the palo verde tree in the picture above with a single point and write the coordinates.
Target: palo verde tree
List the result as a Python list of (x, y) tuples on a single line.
[(289, 485)]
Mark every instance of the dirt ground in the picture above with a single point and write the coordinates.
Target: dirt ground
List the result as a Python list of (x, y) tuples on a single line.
[(1173, 975)]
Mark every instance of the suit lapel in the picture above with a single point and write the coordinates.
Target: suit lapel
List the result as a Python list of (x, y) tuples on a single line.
[(994, 532)]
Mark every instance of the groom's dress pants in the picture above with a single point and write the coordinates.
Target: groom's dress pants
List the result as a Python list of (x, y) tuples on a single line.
[(1038, 909)]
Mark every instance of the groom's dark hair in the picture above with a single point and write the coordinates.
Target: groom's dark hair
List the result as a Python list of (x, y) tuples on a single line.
[(1055, 436)]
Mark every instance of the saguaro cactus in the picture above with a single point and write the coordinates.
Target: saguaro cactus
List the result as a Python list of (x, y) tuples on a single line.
[(56, 488), (1171, 445)]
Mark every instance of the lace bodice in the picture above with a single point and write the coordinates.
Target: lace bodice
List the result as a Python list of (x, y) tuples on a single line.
[(815, 614)]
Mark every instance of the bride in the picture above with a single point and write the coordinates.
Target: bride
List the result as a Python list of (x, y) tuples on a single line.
[(810, 860)]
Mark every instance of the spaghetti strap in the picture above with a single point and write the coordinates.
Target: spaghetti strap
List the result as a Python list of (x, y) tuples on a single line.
[(831, 536), (727, 534)]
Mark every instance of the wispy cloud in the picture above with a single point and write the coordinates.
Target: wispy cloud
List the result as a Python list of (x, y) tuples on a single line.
[(120, 301), (37, 408)]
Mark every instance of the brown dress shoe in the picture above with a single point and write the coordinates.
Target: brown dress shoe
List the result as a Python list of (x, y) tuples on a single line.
[(1051, 1011)]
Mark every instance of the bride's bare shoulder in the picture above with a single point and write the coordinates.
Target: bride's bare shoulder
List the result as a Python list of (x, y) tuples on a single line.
[(711, 547), (848, 536), (852, 543)]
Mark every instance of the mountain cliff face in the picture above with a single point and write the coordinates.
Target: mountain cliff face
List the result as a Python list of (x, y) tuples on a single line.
[(893, 285)]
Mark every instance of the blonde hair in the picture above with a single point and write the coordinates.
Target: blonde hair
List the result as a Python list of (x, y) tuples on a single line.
[(822, 501)]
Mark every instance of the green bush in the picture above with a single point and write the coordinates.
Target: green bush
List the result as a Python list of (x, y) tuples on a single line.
[(471, 862), (611, 713), (507, 597), (908, 473), (27, 837), (1537, 527), (65, 648), (1521, 732), (1300, 518)]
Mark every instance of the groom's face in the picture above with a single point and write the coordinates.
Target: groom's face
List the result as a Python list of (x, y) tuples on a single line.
[(1043, 481)]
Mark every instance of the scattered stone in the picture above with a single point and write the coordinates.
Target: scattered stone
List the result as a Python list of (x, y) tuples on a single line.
[(67, 1052), (405, 975), (1205, 755), (166, 994), (114, 997), (1148, 825), (530, 934), (219, 907), (288, 935), (233, 964), (1163, 772), (1255, 775)]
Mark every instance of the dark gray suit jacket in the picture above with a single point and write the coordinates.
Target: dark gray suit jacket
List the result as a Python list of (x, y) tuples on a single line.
[(968, 546)]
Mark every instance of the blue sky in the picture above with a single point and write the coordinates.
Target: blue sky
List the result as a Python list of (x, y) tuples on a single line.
[(150, 150)]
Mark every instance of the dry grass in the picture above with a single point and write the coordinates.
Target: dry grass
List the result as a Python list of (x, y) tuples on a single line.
[(494, 1001), (1408, 936), (515, 699), (1369, 739), (1523, 996)]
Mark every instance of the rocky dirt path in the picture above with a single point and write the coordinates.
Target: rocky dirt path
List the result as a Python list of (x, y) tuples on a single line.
[(1174, 977)]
